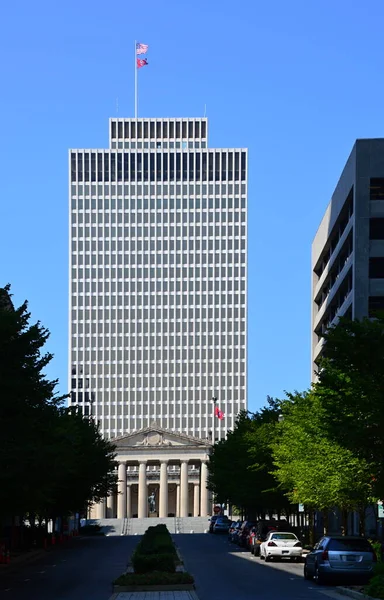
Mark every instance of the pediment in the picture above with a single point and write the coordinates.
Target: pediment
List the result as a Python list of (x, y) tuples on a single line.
[(155, 437)]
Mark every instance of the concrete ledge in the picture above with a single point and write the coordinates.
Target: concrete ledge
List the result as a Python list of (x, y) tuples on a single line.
[(181, 587), (353, 593)]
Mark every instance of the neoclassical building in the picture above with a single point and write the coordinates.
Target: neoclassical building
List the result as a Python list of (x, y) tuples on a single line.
[(169, 467)]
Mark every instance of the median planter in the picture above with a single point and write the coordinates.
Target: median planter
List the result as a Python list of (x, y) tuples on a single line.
[(156, 566), (155, 581)]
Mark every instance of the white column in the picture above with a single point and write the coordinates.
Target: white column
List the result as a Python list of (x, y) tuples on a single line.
[(177, 512), (122, 491), (196, 499), (163, 504), (142, 499), (100, 509), (110, 507), (184, 489), (204, 510), (129, 501)]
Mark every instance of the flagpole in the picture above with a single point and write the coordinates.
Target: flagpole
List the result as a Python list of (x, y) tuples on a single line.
[(135, 82), (214, 400)]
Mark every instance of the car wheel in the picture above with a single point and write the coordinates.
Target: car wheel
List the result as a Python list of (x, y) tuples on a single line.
[(318, 577), (307, 576)]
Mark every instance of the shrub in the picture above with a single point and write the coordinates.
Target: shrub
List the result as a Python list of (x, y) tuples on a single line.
[(378, 568), (376, 545), (154, 578), (375, 588), (145, 563)]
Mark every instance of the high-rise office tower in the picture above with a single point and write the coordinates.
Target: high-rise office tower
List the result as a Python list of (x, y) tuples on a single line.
[(348, 249), (158, 279)]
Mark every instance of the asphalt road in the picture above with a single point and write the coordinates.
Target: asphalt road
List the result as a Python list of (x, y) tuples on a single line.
[(83, 572), (223, 571)]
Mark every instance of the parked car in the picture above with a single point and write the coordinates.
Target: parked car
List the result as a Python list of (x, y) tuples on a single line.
[(342, 557), (246, 527), (212, 520), (281, 544), (234, 532), (231, 528), (221, 525), (263, 527)]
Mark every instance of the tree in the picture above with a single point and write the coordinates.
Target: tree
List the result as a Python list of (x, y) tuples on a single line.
[(52, 459), (311, 467), (240, 466), (351, 391)]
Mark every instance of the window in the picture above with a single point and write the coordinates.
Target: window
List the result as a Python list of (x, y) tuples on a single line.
[(376, 229), (375, 305), (350, 545), (376, 188), (376, 268)]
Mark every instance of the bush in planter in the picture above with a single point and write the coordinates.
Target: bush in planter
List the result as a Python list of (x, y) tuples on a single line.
[(145, 563), (375, 588), (154, 578)]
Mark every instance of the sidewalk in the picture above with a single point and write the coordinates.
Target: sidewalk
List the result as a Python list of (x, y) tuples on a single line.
[(29, 556)]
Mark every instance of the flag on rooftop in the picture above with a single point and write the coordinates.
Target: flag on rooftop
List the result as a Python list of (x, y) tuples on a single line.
[(141, 48), (141, 62)]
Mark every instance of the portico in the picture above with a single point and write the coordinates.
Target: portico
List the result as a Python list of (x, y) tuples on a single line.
[(171, 465)]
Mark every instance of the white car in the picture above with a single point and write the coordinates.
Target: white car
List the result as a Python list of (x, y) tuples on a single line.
[(280, 544)]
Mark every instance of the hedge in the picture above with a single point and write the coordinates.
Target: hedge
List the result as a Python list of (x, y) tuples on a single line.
[(145, 563)]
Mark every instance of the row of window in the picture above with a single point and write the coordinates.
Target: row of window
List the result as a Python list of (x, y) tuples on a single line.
[(151, 166), (336, 269), (137, 196), (213, 356), (163, 314), (129, 397), (130, 285), (159, 144), (127, 129), (174, 353), (129, 218), (336, 233), (337, 302)]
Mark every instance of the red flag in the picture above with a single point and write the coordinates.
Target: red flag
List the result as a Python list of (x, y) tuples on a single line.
[(141, 62), (219, 413)]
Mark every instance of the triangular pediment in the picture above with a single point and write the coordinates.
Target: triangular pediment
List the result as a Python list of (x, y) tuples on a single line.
[(155, 436)]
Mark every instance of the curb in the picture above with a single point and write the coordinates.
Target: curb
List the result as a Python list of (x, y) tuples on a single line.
[(192, 594), (353, 594)]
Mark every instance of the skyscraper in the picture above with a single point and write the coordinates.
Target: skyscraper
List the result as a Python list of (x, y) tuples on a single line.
[(348, 249), (158, 279)]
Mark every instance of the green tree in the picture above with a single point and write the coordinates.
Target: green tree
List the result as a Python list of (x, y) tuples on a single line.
[(351, 391), (240, 466), (314, 469), (52, 459)]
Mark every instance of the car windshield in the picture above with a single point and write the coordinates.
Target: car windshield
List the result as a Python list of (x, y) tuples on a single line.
[(283, 536), (354, 545)]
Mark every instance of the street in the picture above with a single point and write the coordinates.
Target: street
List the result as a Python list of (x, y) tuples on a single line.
[(83, 572), (224, 571)]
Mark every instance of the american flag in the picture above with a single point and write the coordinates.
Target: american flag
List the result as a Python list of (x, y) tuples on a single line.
[(141, 48)]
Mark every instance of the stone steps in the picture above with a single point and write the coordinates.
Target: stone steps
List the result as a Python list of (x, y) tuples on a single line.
[(139, 526)]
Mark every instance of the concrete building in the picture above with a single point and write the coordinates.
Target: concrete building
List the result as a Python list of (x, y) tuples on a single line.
[(348, 249), (158, 305), (158, 288), (170, 466)]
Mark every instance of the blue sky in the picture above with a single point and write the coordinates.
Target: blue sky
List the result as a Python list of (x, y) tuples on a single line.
[(296, 82)]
